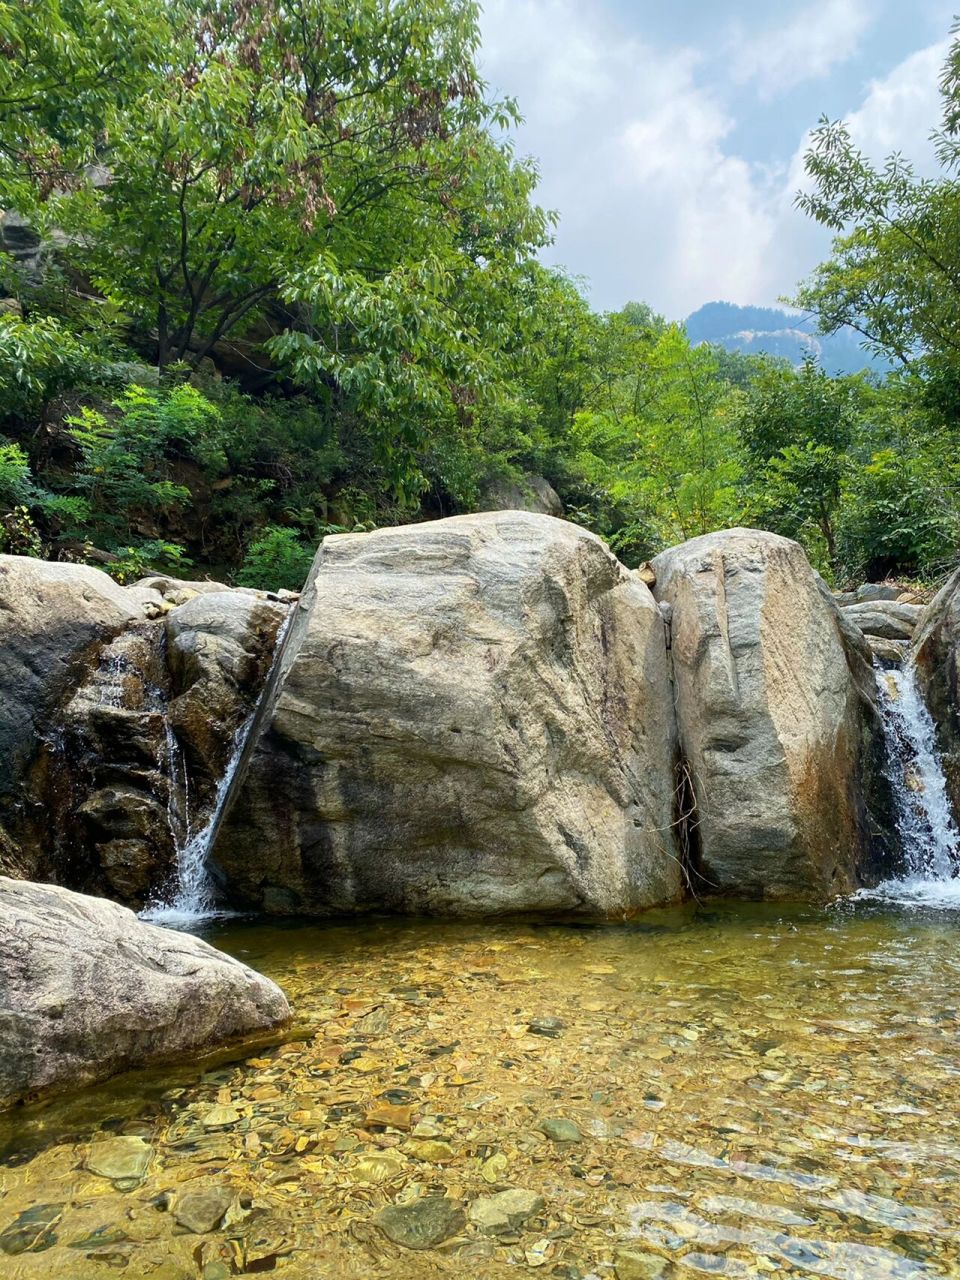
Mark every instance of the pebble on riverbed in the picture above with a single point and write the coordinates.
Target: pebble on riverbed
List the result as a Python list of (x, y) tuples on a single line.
[(423, 1223)]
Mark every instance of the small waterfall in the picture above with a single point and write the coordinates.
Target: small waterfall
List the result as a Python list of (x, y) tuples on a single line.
[(928, 832), (194, 896)]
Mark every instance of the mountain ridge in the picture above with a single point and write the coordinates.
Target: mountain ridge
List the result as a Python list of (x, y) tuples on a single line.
[(784, 334)]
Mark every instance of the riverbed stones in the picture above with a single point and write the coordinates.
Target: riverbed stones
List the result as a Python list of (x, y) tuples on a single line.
[(202, 1211), (423, 1223), (475, 717), (124, 1160), (557, 1129), (86, 990), (505, 1211), (778, 726), (32, 1231), (635, 1264)]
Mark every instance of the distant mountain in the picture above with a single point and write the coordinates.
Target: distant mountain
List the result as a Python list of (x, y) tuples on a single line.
[(770, 331)]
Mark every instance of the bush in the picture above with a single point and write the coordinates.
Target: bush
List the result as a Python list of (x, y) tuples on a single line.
[(276, 561)]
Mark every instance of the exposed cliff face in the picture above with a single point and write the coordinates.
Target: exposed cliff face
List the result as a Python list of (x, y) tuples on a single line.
[(98, 705), (777, 721), (475, 718)]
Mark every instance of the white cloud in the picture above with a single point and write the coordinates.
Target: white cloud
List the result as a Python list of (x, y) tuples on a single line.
[(638, 154), (900, 111), (805, 48)]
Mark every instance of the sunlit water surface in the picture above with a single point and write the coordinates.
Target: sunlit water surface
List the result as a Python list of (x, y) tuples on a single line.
[(758, 1091)]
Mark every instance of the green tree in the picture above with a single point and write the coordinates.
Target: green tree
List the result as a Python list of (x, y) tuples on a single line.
[(894, 271), (796, 428), (66, 66)]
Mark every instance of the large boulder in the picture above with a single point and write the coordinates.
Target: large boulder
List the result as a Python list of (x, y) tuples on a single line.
[(777, 723), (219, 649), (529, 493), (474, 717), (87, 990), (52, 619), (936, 652)]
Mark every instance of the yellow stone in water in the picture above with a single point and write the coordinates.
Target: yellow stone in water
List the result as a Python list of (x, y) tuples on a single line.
[(220, 1117)]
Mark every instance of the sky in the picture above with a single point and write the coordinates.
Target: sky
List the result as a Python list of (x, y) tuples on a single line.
[(670, 135)]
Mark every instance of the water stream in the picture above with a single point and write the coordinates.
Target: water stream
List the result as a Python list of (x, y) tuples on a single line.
[(194, 894), (929, 835)]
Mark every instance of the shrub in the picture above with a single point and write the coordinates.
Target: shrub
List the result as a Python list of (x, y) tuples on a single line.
[(276, 561)]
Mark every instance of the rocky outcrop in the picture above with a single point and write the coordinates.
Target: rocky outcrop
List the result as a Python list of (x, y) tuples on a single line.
[(474, 717), (114, 703), (885, 619), (219, 646), (529, 493), (87, 990), (777, 725), (53, 617), (936, 652)]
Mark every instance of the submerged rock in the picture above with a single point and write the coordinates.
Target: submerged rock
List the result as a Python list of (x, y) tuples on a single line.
[(475, 717), (505, 1211), (778, 725), (87, 990), (202, 1211), (421, 1224), (32, 1231), (122, 1160)]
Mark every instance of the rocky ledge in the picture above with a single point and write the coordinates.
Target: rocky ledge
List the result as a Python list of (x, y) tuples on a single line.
[(88, 990)]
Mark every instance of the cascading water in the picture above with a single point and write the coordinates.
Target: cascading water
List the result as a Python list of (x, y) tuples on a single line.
[(928, 832), (194, 896)]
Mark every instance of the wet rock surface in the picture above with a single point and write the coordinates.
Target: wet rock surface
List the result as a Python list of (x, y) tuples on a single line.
[(87, 990), (936, 651), (112, 710)]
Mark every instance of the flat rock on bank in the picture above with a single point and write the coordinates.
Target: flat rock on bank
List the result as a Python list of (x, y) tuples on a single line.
[(775, 716), (87, 990), (475, 718)]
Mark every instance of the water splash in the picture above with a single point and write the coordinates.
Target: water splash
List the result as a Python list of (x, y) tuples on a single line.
[(194, 896), (928, 832), (195, 892)]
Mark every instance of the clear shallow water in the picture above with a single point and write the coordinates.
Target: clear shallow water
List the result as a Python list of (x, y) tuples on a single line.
[(758, 1091)]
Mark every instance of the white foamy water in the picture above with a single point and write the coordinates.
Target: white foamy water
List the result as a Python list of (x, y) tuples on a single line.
[(194, 897), (928, 832)]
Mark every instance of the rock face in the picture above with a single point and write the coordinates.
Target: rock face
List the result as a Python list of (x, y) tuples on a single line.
[(885, 619), (936, 651), (532, 493), (113, 703), (777, 725), (475, 717), (87, 990), (52, 619)]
